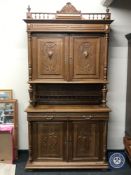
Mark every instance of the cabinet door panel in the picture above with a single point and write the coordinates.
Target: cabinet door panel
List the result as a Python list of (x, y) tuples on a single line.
[(49, 57), (84, 141), (85, 57), (49, 139)]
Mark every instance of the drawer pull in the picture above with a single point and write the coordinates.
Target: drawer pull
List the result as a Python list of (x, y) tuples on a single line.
[(49, 118), (87, 117)]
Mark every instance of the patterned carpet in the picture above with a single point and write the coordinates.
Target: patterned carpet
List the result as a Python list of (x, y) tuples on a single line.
[(23, 155)]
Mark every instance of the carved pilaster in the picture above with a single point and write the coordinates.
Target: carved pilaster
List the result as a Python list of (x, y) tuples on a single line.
[(29, 56), (30, 141), (104, 93), (105, 141), (106, 56)]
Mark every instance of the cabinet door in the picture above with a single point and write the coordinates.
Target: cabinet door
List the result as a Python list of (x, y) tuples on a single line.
[(86, 59), (48, 140), (49, 53), (84, 141)]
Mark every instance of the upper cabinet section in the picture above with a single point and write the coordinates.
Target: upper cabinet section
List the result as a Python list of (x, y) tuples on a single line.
[(68, 46)]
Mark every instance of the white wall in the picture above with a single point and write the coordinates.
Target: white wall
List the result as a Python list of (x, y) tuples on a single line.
[(14, 68), (121, 13)]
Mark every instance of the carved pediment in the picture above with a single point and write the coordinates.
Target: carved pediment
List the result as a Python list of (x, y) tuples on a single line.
[(69, 12), (69, 9)]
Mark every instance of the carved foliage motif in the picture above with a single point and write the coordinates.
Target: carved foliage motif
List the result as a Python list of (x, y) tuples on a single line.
[(49, 139), (85, 58), (48, 50), (85, 139)]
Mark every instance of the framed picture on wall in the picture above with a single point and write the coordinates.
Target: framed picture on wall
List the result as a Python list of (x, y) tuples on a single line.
[(6, 94), (9, 116)]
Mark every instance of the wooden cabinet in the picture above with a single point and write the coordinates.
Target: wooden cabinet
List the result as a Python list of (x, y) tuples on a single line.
[(67, 115)]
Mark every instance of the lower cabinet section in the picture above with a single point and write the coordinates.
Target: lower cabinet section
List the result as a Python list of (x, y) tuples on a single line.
[(67, 140)]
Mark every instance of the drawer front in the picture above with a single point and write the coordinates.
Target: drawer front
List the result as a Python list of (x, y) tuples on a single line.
[(67, 116)]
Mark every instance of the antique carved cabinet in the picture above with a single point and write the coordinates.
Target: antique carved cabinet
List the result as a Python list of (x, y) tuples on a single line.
[(67, 115)]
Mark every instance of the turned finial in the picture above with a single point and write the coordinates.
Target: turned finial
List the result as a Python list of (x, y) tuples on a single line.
[(107, 10), (28, 9), (108, 15), (28, 14)]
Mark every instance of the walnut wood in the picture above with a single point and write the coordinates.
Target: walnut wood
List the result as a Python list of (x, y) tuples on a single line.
[(71, 60), (68, 108), (68, 9), (67, 115), (53, 81), (29, 56), (68, 12), (63, 138), (67, 94), (61, 27), (67, 165)]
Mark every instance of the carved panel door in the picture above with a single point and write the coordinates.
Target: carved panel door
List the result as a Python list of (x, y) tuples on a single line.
[(49, 141), (85, 141), (85, 59), (49, 52)]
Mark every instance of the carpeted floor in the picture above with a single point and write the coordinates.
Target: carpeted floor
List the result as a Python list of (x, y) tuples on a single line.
[(23, 155)]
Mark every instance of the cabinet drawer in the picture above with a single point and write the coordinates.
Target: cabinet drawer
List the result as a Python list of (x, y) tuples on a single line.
[(67, 116)]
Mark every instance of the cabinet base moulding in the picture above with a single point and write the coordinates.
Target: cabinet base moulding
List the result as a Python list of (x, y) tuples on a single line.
[(66, 165)]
